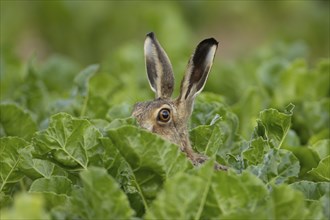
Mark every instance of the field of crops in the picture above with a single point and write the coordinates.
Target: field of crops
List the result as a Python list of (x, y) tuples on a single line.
[(71, 73)]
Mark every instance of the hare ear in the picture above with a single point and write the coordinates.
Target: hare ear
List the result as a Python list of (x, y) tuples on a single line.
[(159, 68), (197, 71)]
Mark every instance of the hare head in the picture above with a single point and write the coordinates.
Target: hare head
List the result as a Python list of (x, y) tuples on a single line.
[(163, 115)]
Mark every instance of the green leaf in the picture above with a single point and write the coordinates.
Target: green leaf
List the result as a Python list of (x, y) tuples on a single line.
[(276, 124), (55, 184), (33, 94), (142, 149), (269, 73), (100, 197), (205, 194), (112, 156), (5, 200), (255, 153), (321, 135), (82, 79), (286, 203), (322, 148), (322, 171), (32, 167), (252, 103), (311, 120), (307, 157), (208, 108), (119, 169), (10, 160), (298, 83), (326, 203), (15, 121), (97, 107), (56, 190), (232, 193), (57, 72), (312, 190), (151, 159), (316, 210), (104, 84), (117, 123), (26, 206), (291, 139), (207, 138), (190, 191), (259, 131), (70, 142), (81, 91), (278, 166), (123, 110)]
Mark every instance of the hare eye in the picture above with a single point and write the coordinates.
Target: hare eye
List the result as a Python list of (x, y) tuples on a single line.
[(164, 115)]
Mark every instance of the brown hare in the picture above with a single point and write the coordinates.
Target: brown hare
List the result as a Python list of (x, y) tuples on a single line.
[(165, 116)]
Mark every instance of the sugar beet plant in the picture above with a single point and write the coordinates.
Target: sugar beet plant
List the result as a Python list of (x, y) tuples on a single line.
[(70, 150)]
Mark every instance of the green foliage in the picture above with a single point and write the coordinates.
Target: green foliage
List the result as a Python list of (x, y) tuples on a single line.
[(102, 194), (84, 157), (322, 171), (16, 121), (70, 150), (69, 142), (120, 171), (26, 206), (10, 161)]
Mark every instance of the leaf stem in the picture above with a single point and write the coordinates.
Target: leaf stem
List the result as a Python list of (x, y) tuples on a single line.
[(203, 201), (284, 136), (73, 158), (84, 107), (21, 183), (6, 179), (141, 193)]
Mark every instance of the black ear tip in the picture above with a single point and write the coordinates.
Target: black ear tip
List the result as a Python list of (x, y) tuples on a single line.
[(214, 41), (151, 35), (210, 41)]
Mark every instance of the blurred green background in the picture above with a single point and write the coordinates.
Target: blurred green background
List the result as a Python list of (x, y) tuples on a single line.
[(91, 31), (271, 53)]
